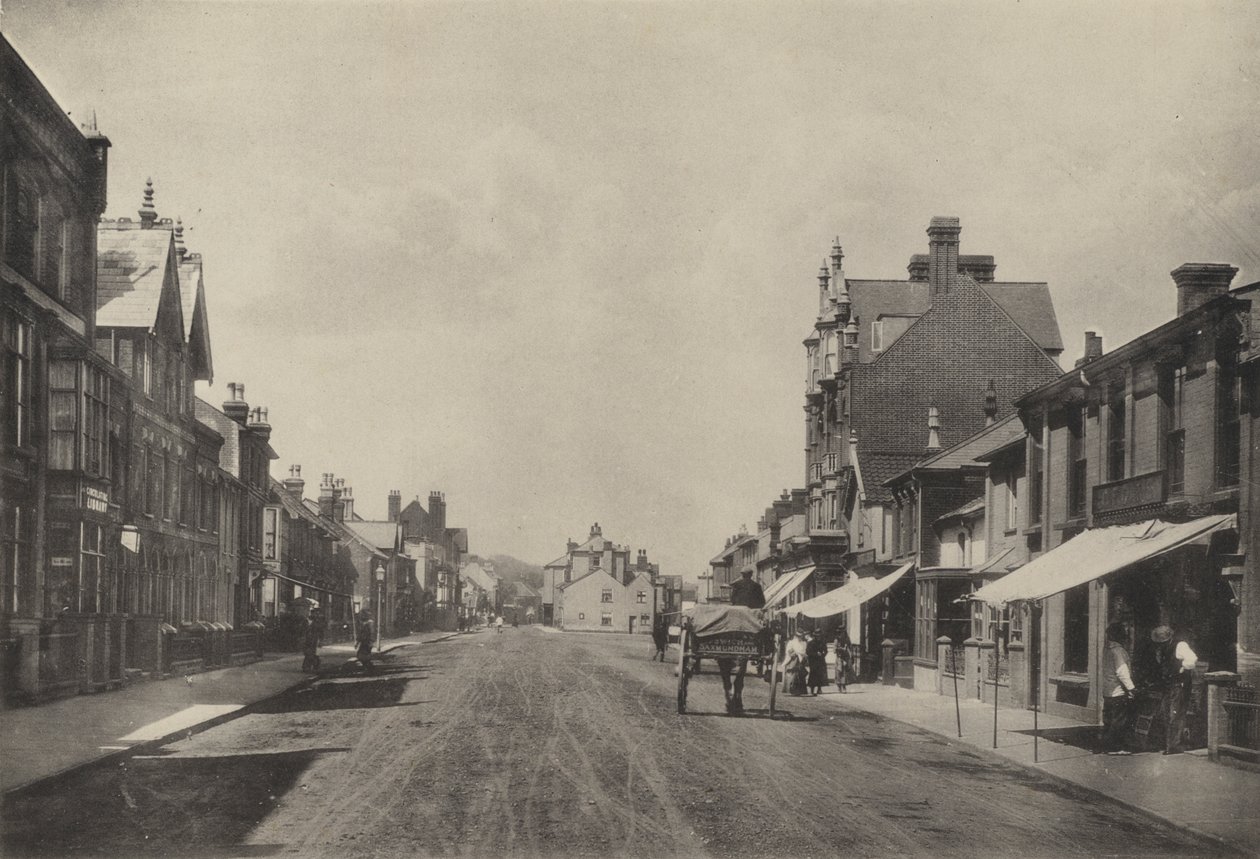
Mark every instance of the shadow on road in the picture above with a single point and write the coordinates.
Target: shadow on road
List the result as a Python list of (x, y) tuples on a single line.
[(185, 806), (367, 693)]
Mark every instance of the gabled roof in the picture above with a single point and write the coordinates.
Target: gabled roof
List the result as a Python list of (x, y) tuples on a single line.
[(559, 563), (379, 535), (196, 323), (879, 467), (298, 510), (346, 532), (131, 268), (230, 452), (475, 573), (587, 575)]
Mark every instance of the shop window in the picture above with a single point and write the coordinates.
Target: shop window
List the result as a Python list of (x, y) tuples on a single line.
[(607, 595), (92, 568), (1228, 411), (1076, 629), (268, 597), (1172, 399), (1117, 435), (925, 620), (17, 381), (605, 618)]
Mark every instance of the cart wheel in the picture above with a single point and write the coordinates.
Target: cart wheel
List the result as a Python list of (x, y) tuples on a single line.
[(774, 674)]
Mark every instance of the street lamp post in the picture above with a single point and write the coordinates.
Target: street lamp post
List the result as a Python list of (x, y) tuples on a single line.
[(380, 603)]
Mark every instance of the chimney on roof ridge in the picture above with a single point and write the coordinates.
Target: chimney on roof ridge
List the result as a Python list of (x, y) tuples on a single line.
[(258, 423), (824, 294), (918, 268), (934, 428), (294, 484), (1093, 348), (1200, 282), (595, 532), (148, 214), (99, 145), (235, 406), (943, 254), (179, 239), (990, 404), (395, 504), (347, 501)]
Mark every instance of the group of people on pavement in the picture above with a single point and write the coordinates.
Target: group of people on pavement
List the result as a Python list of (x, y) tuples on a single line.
[(805, 669), (1174, 662)]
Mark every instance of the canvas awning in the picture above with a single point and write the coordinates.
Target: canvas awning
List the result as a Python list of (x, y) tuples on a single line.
[(849, 596), (1095, 553), (785, 584)]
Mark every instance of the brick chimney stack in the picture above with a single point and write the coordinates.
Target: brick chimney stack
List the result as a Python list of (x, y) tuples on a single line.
[(294, 484), (943, 254), (179, 240), (1093, 348), (327, 495), (595, 532), (258, 423), (1200, 282), (437, 514), (395, 504), (100, 145), (148, 213), (347, 499), (339, 505), (235, 406), (990, 404)]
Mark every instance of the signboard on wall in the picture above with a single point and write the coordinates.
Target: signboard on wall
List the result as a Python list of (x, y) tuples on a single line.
[(95, 500)]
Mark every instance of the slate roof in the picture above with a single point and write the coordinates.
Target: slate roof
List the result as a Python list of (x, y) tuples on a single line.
[(559, 563), (973, 506), (380, 535), (131, 266), (1028, 305), (878, 467), (192, 295), (298, 510)]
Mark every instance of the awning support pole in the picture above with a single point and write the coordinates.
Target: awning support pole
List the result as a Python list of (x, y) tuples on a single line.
[(995, 693), (957, 707), (1036, 709)]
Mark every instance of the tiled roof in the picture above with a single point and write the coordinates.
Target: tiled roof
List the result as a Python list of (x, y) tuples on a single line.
[(230, 452), (1030, 306), (298, 510), (879, 466), (381, 535), (131, 267), (559, 563), (192, 295)]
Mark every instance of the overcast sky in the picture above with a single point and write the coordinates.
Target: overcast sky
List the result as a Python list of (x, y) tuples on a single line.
[(557, 260)]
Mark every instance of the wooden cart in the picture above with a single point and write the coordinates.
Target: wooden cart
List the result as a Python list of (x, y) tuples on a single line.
[(731, 636)]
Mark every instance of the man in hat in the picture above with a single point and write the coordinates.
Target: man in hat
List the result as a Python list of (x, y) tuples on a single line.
[(748, 593), (1118, 688), (1176, 663), (365, 640)]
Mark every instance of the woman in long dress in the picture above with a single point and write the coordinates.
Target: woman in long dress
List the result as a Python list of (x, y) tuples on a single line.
[(795, 662), (816, 655), (844, 658)]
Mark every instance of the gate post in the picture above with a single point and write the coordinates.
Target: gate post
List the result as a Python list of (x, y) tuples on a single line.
[(1218, 682)]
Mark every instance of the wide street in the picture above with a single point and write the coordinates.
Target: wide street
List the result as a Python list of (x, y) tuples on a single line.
[(533, 743)]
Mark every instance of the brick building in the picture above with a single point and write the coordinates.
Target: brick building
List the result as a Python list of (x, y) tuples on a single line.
[(599, 601), (596, 553), (60, 419), (883, 355)]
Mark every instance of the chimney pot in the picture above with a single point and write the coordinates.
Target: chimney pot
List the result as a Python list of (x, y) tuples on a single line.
[(148, 214), (934, 428)]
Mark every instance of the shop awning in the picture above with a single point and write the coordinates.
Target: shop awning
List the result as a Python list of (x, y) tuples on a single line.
[(851, 595), (305, 585), (785, 584), (1095, 553)]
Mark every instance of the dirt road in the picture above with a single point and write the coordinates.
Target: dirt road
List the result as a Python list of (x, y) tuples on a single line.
[(531, 743)]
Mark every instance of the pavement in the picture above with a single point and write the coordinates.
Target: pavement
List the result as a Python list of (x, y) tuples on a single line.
[(42, 742), (1189, 791)]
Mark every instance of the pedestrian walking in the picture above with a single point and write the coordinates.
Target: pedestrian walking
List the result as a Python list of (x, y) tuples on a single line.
[(498, 623), (844, 659), (660, 637), (1175, 661), (816, 658), (1118, 690), (365, 640), (311, 641), (795, 664)]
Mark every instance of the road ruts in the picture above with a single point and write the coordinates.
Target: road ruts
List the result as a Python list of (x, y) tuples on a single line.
[(526, 743)]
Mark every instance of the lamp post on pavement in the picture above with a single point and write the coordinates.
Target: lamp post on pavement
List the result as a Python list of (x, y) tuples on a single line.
[(380, 602)]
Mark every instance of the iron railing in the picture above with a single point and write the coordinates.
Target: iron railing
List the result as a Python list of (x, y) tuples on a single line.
[(1242, 717)]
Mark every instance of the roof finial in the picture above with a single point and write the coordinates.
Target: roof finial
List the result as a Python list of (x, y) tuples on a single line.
[(179, 238), (148, 214)]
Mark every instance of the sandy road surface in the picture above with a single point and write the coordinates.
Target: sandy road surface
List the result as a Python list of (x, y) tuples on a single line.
[(534, 744)]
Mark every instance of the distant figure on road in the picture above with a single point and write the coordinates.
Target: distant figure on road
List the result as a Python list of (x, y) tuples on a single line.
[(660, 637), (311, 640), (365, 640), (498, 623), (748, 593), (1176, 667), (1117, 688)]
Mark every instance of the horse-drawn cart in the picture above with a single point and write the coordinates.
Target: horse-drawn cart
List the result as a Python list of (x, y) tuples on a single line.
[(732, 636)]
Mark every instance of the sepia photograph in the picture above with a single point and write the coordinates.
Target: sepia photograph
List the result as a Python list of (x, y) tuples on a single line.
[(629, 428)]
